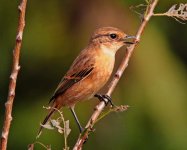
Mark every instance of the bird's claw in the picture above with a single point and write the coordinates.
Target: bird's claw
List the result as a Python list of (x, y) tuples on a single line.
[(103, 98)]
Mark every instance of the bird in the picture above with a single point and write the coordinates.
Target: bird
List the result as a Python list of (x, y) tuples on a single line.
[(89, 72)]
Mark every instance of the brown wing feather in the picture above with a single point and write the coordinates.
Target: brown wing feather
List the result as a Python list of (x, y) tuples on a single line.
[(80, 69), (69, 81)]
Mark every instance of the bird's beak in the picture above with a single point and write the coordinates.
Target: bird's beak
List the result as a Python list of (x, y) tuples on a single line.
[(129, 39)]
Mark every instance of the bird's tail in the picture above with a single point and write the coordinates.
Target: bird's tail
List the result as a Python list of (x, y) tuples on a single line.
[(51, 111)]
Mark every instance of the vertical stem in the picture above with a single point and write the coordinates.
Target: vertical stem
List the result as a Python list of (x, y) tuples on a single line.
[(13, 76)]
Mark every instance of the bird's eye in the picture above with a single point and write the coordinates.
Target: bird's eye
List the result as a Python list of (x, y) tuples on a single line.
[(113, 36)]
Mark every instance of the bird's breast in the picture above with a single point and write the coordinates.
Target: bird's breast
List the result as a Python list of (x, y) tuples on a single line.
[(103, 69)]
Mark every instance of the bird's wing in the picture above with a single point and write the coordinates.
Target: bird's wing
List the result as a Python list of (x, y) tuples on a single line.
[(76, 73)]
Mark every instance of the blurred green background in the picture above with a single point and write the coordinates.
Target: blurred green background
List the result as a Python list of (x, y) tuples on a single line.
[(154, 84)]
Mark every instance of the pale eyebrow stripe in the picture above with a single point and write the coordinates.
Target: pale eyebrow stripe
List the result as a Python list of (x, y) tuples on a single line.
[(100, 35)]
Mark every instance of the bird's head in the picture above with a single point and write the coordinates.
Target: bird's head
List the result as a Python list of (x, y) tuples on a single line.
[(110, 38)]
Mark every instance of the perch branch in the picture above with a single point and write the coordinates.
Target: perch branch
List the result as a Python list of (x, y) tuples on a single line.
[(13, 76), (99, 108)]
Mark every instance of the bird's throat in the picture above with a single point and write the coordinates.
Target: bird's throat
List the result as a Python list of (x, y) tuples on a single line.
[(107, 51)]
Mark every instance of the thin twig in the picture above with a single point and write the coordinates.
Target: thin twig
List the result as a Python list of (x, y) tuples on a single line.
[(31, 146), (56, 124), (99, 108), (13, 76), (66, 129)]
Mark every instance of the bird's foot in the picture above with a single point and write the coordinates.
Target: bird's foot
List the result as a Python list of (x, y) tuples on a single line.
[(105, 98), (81, 129)]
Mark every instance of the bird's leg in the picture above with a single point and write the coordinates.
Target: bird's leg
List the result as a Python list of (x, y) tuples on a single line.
[(76, 119), (103, 98)]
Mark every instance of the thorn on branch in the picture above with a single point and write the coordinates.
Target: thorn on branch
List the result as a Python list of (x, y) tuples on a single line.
[(96, 108), (12, 76), (10, 117), (12, 93), (20, 7), (117, 76), (31, 147), (19, 36), (18, 67)]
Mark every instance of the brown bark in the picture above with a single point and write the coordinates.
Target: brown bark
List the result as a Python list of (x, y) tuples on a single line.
[(13, 76)]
